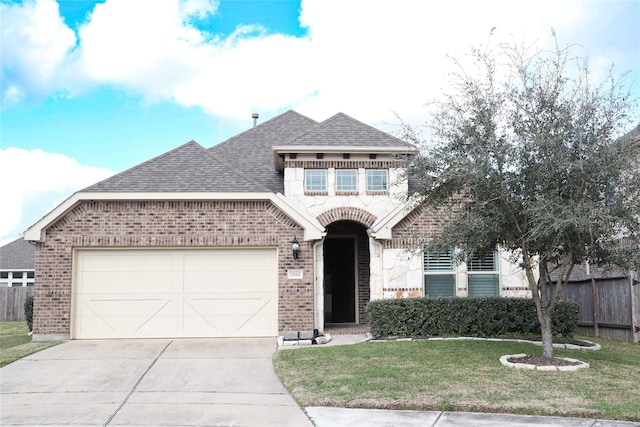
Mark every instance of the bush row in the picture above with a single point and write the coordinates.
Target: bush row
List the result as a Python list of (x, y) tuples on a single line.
[(477, 317)]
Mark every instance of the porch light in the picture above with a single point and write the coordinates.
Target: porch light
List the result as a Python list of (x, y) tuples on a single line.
[(295, 248)]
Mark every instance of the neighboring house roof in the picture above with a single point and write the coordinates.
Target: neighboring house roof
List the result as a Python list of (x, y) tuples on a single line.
[(188, 168), (18, 254)]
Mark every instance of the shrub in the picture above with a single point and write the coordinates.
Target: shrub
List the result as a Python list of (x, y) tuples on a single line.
[(485, 316), (28, 312)]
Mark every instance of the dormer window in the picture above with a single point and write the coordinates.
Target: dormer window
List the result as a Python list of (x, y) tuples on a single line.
[(377, 180), (315, 180)]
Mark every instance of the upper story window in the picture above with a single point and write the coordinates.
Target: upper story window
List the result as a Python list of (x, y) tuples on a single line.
[(377, 180), (483, 275), (439, 274), (346, 180), (315, 180)]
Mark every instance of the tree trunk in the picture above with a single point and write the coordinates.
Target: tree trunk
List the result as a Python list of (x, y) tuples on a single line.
[(547, 335), (542, 296)]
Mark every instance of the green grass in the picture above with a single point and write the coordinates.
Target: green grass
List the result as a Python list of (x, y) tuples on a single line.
[(15, 342), (463, 376)]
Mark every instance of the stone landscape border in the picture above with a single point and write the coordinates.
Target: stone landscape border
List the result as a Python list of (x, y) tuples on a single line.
[(546, 368)]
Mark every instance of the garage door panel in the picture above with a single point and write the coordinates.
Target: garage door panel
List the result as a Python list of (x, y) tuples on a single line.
[(223, 281), (137, 282), (131, 261), (175, 293)]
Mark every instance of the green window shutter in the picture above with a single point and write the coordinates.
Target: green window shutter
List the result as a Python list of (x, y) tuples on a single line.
[(482, 285), (439, 285), (487, 263), (440, 261)]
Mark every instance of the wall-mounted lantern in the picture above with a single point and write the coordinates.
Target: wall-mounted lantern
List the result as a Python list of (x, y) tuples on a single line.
[(295, 248)]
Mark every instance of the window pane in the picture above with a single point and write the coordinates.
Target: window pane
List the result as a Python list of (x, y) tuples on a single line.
[(4, 275), (30, 274), (315, 180), (486, 263), (16, 274), (483, 285), (346, 180), (438, 261), (29, 283), (376, 180), (16, 285), (439, 285)]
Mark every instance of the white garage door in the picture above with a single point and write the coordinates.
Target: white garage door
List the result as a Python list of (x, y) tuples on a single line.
[(175, 293)]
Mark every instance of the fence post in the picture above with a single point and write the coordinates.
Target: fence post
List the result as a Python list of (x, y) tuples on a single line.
[(596, 307), (634, 285)]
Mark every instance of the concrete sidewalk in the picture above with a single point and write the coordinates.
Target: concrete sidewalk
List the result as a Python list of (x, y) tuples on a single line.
[(342, 417), (187, 382)]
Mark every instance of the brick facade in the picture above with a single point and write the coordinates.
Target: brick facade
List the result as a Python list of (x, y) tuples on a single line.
[(169, 224)]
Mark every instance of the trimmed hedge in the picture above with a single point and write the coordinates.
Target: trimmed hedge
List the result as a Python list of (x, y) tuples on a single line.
[(28, 312), (476, 317)]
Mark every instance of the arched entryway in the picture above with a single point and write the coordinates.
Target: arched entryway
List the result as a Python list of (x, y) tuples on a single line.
[(346, 273)]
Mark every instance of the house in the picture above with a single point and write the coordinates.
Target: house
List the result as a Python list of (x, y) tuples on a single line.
[(290, 226), (17, 261)]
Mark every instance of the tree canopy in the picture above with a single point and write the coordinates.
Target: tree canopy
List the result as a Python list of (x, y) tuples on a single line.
[(529, 153)]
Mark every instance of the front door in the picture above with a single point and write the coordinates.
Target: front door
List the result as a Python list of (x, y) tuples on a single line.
[(340, 280)]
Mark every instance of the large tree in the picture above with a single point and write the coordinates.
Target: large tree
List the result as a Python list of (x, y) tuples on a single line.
[(527, 153)]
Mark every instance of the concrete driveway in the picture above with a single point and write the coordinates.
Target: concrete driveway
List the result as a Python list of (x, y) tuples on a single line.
[(186, 382)]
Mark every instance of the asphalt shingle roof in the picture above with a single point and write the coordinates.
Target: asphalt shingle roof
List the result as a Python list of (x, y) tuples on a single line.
[(250, 152), (18, 254), (188, 168), (243, 163), (342, 130)]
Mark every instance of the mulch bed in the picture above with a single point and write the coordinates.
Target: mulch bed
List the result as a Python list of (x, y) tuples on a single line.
[(542, 361)]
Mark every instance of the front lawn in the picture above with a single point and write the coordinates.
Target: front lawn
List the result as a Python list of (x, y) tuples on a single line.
[(463, 376), (15, 342)]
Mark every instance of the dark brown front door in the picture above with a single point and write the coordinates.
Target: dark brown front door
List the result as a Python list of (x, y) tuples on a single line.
[(339, 280)]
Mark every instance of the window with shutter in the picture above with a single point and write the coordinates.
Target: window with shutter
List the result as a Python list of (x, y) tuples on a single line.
[(439, 274), (483, 277)]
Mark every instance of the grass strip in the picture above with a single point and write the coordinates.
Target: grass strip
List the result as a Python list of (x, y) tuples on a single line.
[(463, 376), (16, 343)]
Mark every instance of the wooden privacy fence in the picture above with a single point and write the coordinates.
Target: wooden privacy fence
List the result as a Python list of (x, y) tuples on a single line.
[(609, 307), (12, 303)]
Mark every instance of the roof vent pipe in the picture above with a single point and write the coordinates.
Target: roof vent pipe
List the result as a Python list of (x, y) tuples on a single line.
[(255, 116)]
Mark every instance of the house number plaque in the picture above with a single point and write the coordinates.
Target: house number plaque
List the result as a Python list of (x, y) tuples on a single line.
[(294, 274)]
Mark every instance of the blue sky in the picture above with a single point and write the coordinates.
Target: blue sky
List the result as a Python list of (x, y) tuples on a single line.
[(92, 88)]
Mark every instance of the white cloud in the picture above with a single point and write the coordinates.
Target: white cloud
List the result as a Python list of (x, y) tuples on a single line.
[(35, 45), (34, 182), (364, 57)]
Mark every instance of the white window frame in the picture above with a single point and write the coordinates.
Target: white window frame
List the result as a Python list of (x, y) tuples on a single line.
[(353, 179), (310, 175), (17, 278), (373, 175), (479, 267), (440, 269)]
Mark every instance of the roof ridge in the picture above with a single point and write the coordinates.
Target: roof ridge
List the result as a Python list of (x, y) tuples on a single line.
[(243, 133), (368, 125)]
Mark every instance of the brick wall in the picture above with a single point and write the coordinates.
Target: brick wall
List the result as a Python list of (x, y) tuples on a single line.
[(169, 224), (416, 228)]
